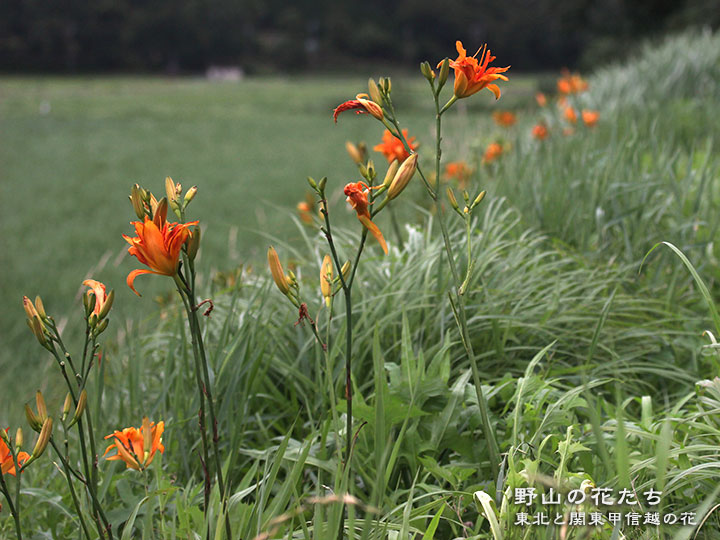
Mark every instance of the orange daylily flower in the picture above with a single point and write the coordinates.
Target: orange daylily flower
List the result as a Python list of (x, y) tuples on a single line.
[(362, 104), (7, 464), (492, 152), (541, 99), (357, 197), (137, 447), (460, 171), (100, 295), (571, 83), (590, 117), (472, 75), (157, 245), (570, 115), (540, 132), (504, 118), (393, 148)]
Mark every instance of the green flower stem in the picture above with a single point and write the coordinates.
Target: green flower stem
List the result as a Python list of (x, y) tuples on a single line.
[(14, 511), (68, 477), (182, 290), (199, 349), (459, 299), (90, 471)]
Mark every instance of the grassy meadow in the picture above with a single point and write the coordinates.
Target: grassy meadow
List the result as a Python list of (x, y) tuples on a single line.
[(594, 363)]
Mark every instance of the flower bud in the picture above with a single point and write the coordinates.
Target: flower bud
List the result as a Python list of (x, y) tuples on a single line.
[(427, 72), (345, 271), (370, 169), (66, 406), (277, 272), (109, 299), (354, 152), (478, 199), (4, 437), (326, 278), (100, 328), (32, 419), (136, 198), (79, 409), (193, 243), (391, 172), (444, 72), (453, 200), (43, 440), (41, 407), (322, 184), (170, 189), (374, 91), (147, 438), (40, 307), (190, 195), (386, 85), (403, 176), (312, 182), (161, 209), (18, 438)]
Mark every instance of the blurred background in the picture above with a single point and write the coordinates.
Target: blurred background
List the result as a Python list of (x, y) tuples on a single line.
[(270, 36), (235, 97)]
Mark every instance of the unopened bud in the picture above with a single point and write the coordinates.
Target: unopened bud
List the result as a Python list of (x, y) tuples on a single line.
[(19, 438), (391, 172), (386, 85), (345, 270), (277, 272), (80, 408), (374, 91), (107, 305), (453, 200), (66, 406), (478, 199), (193, 243), (322, 184), (101, 327), (147, 436), (312, 182), (370, 169), (136, 198), (326, 271), (32, 419), (43, 440), (170, 189), (190, 195), (41, 407), (444, 72), (354, 153), (40, 307), (30, 310), (427, 72), (4, 437), (161, 209), (403, 176)]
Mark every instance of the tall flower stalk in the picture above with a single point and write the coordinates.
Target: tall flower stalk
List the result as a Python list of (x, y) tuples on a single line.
[(471, 76), (161, 245)]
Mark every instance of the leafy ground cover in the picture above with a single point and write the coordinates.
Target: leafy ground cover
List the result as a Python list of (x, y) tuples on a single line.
[(596, 371)]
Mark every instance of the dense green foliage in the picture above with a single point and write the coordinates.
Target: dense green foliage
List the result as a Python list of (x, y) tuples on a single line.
[(591, 365), (190, 35)]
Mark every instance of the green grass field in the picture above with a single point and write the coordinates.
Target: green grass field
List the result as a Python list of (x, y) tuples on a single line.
[(591, 366)]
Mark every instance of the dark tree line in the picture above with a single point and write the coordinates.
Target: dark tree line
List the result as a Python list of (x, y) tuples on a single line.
[(270, 35)]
